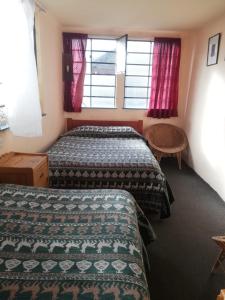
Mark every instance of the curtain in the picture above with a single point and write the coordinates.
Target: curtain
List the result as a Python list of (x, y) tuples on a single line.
[(74, 67), (18, 65), (121, 51), (165, 78)]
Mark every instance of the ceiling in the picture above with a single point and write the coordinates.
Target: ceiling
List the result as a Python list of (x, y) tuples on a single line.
[(147, 15)]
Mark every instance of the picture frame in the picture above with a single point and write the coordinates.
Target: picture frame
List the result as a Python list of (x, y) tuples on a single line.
[(213, 49)]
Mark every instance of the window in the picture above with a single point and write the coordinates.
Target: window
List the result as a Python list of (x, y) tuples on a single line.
[(138, 74), (100, 78)]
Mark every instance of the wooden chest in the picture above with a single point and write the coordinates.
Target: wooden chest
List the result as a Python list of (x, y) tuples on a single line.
[(24, 168)]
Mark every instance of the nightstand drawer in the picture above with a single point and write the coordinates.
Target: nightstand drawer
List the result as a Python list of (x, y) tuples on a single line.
[(24, 168), (15, 178)]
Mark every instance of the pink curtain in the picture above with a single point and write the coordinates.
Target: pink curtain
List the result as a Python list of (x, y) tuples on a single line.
[(74, 67), (165, 78)]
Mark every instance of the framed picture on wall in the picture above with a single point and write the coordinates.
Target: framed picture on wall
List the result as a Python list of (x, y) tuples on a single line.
[(213, 49)]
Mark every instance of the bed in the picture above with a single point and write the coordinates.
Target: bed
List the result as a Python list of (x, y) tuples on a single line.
[(70, 244), (112, 156)]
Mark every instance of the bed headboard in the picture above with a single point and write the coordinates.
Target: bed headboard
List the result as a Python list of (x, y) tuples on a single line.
[(136, 124)]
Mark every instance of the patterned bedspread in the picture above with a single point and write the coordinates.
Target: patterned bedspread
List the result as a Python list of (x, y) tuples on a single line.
[(109, 157), (67, 245)]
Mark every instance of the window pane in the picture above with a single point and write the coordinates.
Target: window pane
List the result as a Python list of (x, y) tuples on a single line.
[(138, 46), (136, 103), (102, 102), (137, 70), (99, 44), (87, 80), (88, 46), (86, 102), (103, 80), (136, 81), (88, 68), (134, 58), (136, 92), (150, 73), (152, 47), (105, 57), (138, 74), (87, 90), (99, 88), (103, 69), (151, 59), (88, 56), (102, 91)]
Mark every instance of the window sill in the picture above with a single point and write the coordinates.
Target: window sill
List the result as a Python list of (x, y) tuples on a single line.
[(4, 128), (135, 108), (99, 108)]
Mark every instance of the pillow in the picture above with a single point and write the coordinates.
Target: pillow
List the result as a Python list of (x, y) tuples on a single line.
[(104, 132)]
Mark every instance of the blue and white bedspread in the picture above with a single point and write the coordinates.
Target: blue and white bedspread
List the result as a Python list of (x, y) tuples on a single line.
[(97, 157)]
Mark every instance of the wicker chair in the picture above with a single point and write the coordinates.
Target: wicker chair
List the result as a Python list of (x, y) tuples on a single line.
[(166, 140)]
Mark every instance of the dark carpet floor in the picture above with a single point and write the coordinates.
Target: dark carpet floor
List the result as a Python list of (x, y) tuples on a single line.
[(183, 254)]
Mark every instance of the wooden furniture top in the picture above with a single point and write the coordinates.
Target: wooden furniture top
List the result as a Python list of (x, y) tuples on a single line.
[(220, 241), (221, 296), (136, 124), (21, 160)]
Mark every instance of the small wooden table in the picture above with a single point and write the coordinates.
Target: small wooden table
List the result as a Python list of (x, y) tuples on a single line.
[(24, 168), (220, 241)]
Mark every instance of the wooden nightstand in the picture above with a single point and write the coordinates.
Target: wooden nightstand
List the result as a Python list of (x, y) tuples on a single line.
[(221, 296), (24, 168)]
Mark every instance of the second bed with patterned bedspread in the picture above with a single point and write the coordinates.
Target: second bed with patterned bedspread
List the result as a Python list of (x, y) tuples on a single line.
[(67, 245), (109, 157)]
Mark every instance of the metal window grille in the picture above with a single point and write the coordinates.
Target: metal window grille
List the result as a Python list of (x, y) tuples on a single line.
[(138, 74), (100, 78)]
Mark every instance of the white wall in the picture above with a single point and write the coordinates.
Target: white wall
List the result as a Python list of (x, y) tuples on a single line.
[(205, 114), (50, 73)]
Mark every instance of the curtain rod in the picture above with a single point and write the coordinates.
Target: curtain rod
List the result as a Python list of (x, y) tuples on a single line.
[(40, 6)]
